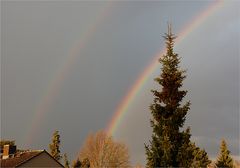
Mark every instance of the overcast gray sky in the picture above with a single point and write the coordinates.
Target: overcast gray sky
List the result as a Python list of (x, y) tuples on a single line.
[(75, 61)]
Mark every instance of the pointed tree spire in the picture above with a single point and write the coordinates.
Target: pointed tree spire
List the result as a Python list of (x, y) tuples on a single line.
[(224, 158), (170, 145), (169, 28)]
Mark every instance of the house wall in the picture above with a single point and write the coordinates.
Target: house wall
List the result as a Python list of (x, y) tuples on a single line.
[(42, 160)]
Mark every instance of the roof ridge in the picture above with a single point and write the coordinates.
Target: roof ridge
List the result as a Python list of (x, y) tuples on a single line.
[(29, 158)]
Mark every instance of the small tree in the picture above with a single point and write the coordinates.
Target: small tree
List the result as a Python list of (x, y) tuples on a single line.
[(5, 142), (102, 151), (224, 159), (66, 162), (200, 158), (77, 164), (55, 146)]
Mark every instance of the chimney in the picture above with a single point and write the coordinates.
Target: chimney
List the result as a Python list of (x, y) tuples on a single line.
[(9, 151)]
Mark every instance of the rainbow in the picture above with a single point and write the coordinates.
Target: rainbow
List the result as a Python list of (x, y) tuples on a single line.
[(126, 102), (56, 83)]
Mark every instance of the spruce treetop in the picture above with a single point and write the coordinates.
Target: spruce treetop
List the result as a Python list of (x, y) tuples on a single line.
[(224, 158), (170, 146)]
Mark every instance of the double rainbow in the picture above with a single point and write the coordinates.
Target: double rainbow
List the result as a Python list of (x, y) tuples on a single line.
[(123, 108)]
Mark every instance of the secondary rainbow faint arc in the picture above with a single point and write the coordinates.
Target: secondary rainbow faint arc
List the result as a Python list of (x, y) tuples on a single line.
[(54, 87), (123, 107)]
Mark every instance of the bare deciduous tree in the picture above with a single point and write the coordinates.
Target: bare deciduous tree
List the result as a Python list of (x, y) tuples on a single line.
[(102, 151)]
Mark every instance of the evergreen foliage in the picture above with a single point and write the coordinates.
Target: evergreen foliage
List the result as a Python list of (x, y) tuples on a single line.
[(224, 158), (66, 162), (170, 145), (85, 163), (55, 146), (200, 158), (5, 142), (77, 164)]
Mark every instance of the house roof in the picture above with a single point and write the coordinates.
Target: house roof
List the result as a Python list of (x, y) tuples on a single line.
[(19, 158), (22, 157)]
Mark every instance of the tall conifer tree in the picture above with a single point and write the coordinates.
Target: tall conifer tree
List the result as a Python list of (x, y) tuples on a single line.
[(55, 146), (170, 145)]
